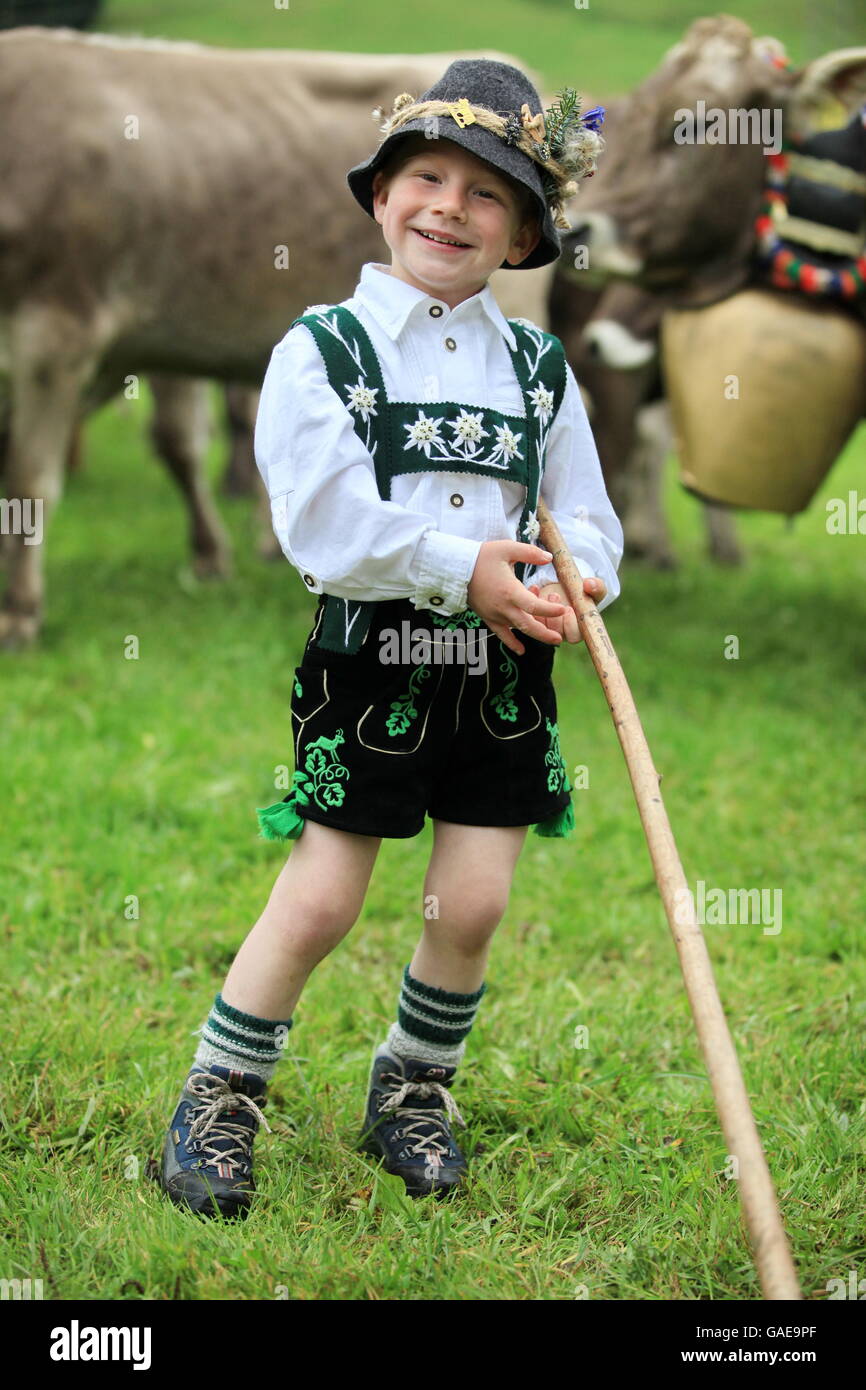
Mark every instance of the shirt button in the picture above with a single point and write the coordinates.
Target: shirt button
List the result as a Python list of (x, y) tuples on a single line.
[(436, 600), (435, 311), (308, 579), (450, 344), (456, 499)]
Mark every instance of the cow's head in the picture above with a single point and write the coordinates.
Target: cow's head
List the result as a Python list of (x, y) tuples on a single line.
[(675, 214)]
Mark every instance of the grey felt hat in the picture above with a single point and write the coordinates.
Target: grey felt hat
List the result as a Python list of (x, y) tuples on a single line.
[(500, 88)]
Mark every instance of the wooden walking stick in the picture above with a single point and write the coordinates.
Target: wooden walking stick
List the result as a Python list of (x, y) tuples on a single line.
[(771, 1251)]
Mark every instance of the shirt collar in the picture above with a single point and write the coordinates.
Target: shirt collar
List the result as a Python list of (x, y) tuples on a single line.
[(391, 301)]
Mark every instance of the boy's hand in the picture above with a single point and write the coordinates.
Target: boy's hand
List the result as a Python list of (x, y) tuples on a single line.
[(566, 624), (504, 603)]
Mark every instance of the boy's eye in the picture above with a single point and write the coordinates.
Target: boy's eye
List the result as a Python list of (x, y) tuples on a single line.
[(486, 192)]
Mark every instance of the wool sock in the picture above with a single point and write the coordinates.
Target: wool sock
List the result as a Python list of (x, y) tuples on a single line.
[(432, 1024), (242, 1042)]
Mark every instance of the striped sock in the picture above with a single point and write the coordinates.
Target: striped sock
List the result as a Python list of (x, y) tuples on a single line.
[(432, 1024), (242, 1042)]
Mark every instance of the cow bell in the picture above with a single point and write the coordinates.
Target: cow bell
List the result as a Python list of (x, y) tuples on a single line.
[(765, 389)]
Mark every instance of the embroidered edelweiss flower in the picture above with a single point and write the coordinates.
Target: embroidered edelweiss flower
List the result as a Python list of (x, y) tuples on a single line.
[(423, 433), (317, 308), (506, 443), (532, 528), (362, 398), (527, 323), (468, 428), (542, 399)]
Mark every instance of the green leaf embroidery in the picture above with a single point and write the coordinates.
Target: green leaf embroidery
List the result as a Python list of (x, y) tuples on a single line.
[(468, 618), (504, 703), (325, 771), (557, 778), (404, 710)]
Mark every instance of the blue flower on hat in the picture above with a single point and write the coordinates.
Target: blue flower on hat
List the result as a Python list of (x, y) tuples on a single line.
[(594, 119)]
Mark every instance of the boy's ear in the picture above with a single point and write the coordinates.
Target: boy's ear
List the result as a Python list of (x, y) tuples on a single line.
[(379, 190), (526, 239)]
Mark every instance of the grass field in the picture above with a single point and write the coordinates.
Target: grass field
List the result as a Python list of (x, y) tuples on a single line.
[(597, 1171), (605, 47)]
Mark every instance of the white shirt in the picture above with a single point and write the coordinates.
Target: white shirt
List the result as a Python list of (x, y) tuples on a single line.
[(327, 514)]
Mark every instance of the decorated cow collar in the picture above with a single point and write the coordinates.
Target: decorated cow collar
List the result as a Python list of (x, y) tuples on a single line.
[(811, 229)]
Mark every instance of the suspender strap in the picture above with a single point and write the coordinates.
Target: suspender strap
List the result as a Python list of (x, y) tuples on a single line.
[(539, 363)]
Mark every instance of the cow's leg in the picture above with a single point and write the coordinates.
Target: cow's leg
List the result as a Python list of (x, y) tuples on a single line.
[(5, 408), (53, 354), (644, 521), (242, 475), (4, 454), (75, 455), (722, 541), (179, 431), (241, 405)]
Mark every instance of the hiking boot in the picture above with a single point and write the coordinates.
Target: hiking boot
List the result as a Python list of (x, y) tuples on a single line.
[(207, 1163), (414, 1139)]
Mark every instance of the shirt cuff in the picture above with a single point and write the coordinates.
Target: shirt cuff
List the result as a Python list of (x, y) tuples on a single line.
[(446, 564)]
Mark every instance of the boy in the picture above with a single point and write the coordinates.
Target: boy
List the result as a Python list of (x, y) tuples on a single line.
[(403, 436)]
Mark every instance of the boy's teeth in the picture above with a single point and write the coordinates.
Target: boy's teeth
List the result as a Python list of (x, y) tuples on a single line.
[(447, 240)]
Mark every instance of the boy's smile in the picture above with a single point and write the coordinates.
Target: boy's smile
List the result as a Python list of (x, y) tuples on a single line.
[(449, 219)]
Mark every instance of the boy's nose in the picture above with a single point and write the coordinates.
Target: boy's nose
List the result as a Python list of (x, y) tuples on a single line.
[(450, 202)]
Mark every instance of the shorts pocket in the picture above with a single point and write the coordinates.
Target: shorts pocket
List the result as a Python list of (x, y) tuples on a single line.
[(397, 720)]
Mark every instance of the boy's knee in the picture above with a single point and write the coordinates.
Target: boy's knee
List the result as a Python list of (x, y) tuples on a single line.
[(318, 925), (470, 923)]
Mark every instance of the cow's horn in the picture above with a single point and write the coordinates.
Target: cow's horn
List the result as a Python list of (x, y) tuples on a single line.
[(841, 73)]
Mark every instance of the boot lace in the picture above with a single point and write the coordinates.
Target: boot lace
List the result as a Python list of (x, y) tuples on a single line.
[(393, 1103), (215, 1096)]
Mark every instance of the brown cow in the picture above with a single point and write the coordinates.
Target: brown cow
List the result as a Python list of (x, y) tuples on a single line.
[(675, 219), (169, 207)]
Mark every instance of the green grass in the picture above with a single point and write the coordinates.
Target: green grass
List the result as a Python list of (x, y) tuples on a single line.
[(595, 1171), (605, 48)]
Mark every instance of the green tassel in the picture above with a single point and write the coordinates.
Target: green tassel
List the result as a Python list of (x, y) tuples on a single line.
[(559, 825), (280, 821)]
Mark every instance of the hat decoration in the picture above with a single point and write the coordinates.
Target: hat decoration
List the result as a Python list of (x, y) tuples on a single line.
[(564, 143)]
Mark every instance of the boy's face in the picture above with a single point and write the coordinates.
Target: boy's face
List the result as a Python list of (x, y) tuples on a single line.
[(441, 188)]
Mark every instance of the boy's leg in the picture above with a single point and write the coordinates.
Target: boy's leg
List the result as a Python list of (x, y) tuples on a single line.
[(467, 888), (408, 1104), (313, 904), (466, 893)]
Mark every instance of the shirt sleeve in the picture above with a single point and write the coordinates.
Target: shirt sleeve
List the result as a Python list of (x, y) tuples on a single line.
[(332, 525), (573, 488)]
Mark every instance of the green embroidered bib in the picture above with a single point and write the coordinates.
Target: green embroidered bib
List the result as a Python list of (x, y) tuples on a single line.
[(437, 436)]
